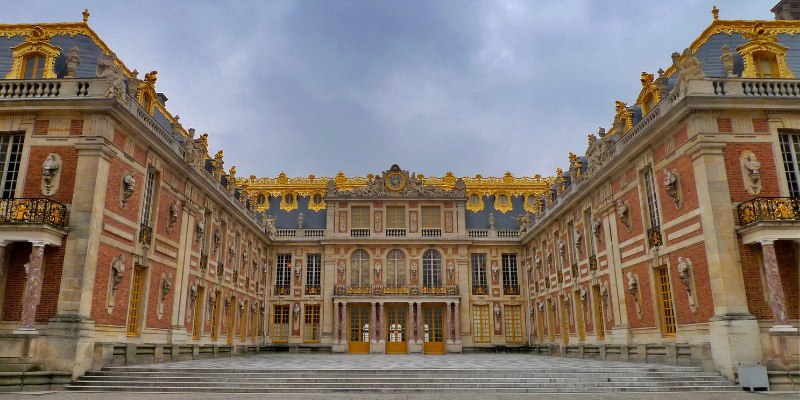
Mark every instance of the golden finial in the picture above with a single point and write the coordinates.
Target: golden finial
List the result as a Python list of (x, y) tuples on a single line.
[(86, 15), (572, 157), (646, 78), (715, 13), (218, 156), (150, 77)]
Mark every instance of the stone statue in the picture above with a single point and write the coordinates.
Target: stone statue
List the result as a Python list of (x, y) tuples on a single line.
[(685, 272), (192, 295), (577, 237), (133, 85), (128, 187), (596, 226), (689, 68), (300, 220), (491, 221), (624, 214), (173, 215), (199, 229), (727, 59), (117, 268), (108, 68), (671, 186), (166, 286), (753, 170), (50, 169), (523, 220), (73, 60), (270, 226), (217, 239), (584, 295), (633, 283)]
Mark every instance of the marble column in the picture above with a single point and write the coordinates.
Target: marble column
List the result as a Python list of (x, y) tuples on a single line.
[(336, 320), (381, 324), (410, 324), (776, 298), (457, 322), (373, 332), (448, 324), (420, 325), (343, 323), (33, 288)]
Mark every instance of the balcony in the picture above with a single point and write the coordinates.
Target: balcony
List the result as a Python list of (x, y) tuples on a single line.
[(145, 235), (299, 233), (431, 232), (395, 290), (769, 218), (493, 234), (654, 237), (32, 211), (395, 232), (360, 232), (283, 290)]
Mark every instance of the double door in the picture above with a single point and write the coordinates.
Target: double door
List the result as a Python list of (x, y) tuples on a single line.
[(433, 329), (396, 328)]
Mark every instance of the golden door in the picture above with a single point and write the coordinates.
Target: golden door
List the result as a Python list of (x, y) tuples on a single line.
[(359, 328), (433, 329), (396, 328)]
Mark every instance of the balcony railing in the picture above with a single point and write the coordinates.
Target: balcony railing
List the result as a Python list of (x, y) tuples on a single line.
[(32, 211), (313, 290), (480, 290), (769, 209), (431, 232), (145, 235), (511, 290), (360, 232), (593, 263), (203, 261), (395, 290), (478, 233), (282, 290), (395, 232), (654, 237), (220, 270), (508, 233)]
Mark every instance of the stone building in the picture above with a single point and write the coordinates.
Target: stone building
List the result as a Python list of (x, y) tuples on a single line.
[(673, 237)]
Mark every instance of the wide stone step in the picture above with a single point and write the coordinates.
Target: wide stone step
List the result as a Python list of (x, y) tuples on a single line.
[(302, 380)]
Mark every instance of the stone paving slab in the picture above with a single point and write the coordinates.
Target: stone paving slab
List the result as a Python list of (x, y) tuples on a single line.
[(284, 361), (383, 396)]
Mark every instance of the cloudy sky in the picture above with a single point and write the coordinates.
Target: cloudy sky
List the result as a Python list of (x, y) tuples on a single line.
[(317, 87)]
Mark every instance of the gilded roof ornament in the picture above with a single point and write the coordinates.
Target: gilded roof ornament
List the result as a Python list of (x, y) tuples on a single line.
[(86, 15), (715, 12), (150, 77)]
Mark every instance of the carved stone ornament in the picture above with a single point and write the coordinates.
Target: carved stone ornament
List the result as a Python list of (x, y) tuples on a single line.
[(688, 67), (597, 226), (623, 212), (540, 306), (269, 222), (451, 269), (296, 310), (562, 249), (340, 268), (538, 262), (50, 174), (496, 310), (685, 272), (109, 69), (671, 185), (751, 168), (491, 221), (173, 215), (414, 270), (523, 220), (133, 84), (727, 59), (166, 286), (128, 187), (199, 229), (192, 294), (599, 152), (633, 289), (577, 238), (378, 270), (584, 295), (73, 60), (395, 182)]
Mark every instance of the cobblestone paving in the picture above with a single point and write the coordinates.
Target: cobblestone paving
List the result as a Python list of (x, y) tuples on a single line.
[(284, 361)]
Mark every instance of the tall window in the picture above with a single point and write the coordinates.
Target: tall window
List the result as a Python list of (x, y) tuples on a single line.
[(588, 234), (665, 302), (10, 155), (573, 250), (359, 217), (149, 190), (396, 267), (652, 202), (311, 325), (359, 267), (513, 315), (431, 268), (197, 324), (215, 315), (479, 285), (135, 305), (559, 262), (510, 276), (790, 148), (480, 324), (280, 325), (33, 66), (430, 217), (313, 272), (395, 217), (283, 272)]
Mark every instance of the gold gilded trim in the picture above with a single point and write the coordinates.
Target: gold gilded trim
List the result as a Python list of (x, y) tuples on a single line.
[(37, 41), (476, 205)]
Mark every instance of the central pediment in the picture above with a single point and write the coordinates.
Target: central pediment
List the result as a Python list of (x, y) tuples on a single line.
[(396, 182)]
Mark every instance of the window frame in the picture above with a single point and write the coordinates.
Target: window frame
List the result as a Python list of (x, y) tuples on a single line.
[(314, 271), (280, 323), (481, 324), (395, 217), (789, 142), (395, 267), (311, 323), (12, 145), (431, 268), (359, 267), (359, 217), (283, 269), (433, 219), (512, 316), (478, 265), (510, 271)]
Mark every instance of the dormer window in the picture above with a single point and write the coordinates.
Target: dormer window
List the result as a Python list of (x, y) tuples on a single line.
[(33, 66), (766, 64)]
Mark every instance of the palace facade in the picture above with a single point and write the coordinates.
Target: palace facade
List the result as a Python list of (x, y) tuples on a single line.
[(673, 237)]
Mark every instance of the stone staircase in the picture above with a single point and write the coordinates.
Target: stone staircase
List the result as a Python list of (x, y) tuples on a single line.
[(644, 378)]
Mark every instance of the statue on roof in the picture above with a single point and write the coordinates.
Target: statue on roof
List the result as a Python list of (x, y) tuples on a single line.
[(688, 67), (727, 59), (133, 84), (73, 60), (662, 83), (108, 68)]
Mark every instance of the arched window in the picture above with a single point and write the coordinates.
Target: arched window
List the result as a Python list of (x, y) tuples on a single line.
[(359, 268), (33, 66), (396, 267), (431, 268)]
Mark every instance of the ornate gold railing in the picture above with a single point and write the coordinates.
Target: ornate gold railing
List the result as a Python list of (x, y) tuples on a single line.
[(511, 290), (395, 290), (480, 290), (282, 290), (203, 261), (32, 211), (654, 237), (145, 234), (220, 270), (769, 209), (593, 263), (313, 289)]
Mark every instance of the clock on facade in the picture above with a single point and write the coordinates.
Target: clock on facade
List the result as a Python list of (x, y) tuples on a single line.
[(395, 182)]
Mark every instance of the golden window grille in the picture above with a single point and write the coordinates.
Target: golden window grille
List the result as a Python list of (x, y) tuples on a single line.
[(480, 324)]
